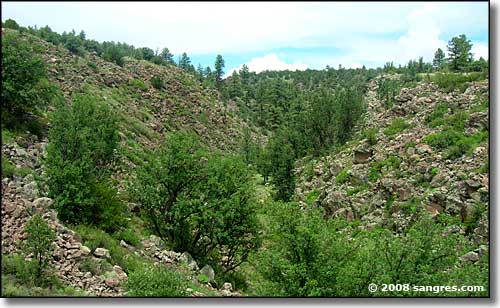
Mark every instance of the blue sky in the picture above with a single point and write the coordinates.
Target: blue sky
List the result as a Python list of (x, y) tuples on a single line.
[(270, 35)]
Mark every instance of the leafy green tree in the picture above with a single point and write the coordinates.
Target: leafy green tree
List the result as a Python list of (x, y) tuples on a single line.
[(39, 243), (202, 204), (459, 53), (25, 87), (147, 53), (83, 138), (439, 59), (11, 24), (219, 71)]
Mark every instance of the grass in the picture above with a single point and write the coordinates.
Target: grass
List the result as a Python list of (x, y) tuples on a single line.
[(358, 189), (397, 125), (9, 170), (342, 177), (370, 134), (156, 282), (18, 279), (436, 117), (94, 238), (312, 197), (454, 143)]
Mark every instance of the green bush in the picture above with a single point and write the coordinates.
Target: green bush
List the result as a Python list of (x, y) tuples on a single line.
[(138, 84), (450, 82), (397, 125), (157, 82), (83, 139), (343, 176), (156, 282), (436, 117), (370, 134), (387, 90)]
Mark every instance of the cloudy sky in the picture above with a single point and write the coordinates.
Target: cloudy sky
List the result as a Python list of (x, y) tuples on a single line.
[(275, 35)]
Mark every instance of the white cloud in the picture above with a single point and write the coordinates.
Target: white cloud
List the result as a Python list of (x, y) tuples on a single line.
[(479, 50), (270, 62)]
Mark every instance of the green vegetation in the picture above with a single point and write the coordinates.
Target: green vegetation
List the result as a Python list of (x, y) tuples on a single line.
[(39, 243), (450, 82), (156, 282), (392, 162), (83, 139), (343, 176), (25, 88), (157, 82), (307, 256), (397, 125), (194, 198)]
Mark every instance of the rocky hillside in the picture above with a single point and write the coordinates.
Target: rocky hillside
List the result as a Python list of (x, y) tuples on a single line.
[(427, 152), (146, 115)]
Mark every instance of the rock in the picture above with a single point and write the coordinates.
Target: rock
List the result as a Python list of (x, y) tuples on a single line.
[(123, 244), (470, 257), (188, 259), (423, 148), (157, 241), (30, 190), (226, 293), (227, 286), (119, 271), (112, 282), (208, 271), (43, 202), (362, 156), (102, 253)]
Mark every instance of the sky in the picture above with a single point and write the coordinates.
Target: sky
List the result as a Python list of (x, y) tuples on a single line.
[(271, 35)]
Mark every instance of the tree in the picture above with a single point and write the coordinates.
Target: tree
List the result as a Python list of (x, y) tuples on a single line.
[(202, 203), (39, 242), (167, 56), (439, 59), (83, 138), (147, 53), (184, 62), (219, 71), (11, 24), (25, 87), (459, 53)]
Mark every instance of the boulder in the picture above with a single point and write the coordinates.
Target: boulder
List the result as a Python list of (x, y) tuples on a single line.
[(208, 271), (470, 257), (362, 156), (102, 253), (186, 258), (43, 202)]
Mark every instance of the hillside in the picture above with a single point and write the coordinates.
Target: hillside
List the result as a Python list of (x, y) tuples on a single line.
[(283, 184), (427, 152)]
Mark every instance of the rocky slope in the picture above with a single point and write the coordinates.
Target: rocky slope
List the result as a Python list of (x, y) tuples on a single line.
[(146, 115), (389, 174)]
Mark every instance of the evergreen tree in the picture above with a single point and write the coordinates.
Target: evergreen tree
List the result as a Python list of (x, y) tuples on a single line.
[(184, 62), (459, 55), (219, 71), (439, 59), (167, 56)]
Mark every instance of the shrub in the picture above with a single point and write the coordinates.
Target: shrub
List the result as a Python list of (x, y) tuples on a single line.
[(157, 82), (370, 134), (450, 82), (83, 138), (436, 117), (397, 125), (342, 177), (387, 90), (156, 282), (138, 84), (39, 243)]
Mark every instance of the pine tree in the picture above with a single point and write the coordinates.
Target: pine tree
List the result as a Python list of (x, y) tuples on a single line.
[(439, 59), (167, 56), (184, 62), (459, 54), (219, 71)]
